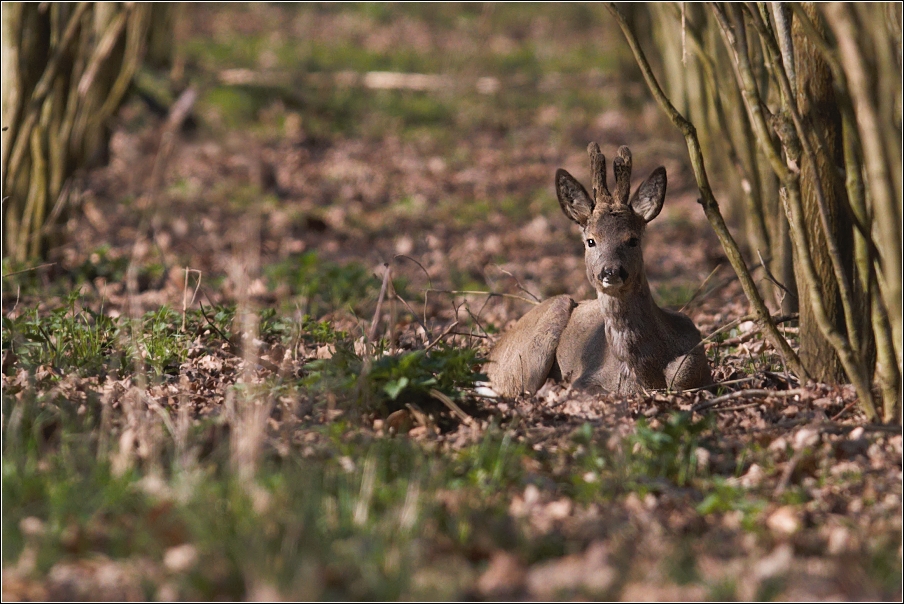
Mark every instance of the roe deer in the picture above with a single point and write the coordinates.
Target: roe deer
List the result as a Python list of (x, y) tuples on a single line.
[(622, 341)]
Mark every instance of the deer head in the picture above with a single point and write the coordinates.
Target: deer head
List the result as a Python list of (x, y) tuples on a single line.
[(612, 225)]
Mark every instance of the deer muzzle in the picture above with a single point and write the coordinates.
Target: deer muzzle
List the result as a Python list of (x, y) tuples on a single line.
[(613, 277)]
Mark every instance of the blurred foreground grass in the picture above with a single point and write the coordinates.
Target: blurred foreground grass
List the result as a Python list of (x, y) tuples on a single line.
[(281, 489), (325, 511)]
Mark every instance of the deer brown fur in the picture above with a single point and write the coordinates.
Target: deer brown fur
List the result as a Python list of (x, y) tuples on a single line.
[(622, 341)]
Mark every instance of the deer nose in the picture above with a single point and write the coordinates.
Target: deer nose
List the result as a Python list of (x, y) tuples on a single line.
[(613, 276)]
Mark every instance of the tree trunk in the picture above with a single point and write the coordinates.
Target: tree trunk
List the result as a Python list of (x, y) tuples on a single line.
[(822, 118)]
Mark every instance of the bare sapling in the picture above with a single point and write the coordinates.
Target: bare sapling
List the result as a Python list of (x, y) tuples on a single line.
[(621, 342)]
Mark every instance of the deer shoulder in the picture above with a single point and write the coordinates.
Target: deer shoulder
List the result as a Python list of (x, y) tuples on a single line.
[(523, 357)]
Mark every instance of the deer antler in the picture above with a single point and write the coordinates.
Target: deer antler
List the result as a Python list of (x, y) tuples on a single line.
[(622, 168), (601, 193)]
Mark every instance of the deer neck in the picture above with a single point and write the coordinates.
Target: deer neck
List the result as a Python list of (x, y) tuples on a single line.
[(632, 323)]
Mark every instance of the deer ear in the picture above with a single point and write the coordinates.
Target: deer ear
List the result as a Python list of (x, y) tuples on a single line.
[(573, 198), (647, 200)]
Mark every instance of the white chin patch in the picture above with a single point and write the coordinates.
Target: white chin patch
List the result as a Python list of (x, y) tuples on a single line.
[(610, 283)]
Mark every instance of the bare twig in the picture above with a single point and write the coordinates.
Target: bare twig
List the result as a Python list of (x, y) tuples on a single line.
[(778, 319), (781, 12), (700, 288), (739, 407), (185, 304), (479, 293), (746, 337), (476, 320), (27, 270), (446, 332), (376, 320), (771, 277), (847, 408), (217, 329), (426, 274), (429, 285), (448, 402), (16, 304), (413, 314), (517, 282), (469, 334), (750, 392), (725, 383)]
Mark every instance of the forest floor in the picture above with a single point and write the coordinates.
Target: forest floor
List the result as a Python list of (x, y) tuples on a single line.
[(206, 395)]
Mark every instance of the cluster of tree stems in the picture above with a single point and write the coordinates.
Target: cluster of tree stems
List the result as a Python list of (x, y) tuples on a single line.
[(797, 108), (66, 69)]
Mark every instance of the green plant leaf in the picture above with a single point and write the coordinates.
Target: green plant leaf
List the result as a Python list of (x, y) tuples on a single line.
[(395, 387)]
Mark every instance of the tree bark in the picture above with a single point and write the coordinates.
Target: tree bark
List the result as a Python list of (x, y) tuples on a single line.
[(819, 111)]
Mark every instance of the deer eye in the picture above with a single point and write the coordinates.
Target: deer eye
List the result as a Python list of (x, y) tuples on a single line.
[(591, 243), (633, 242)]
